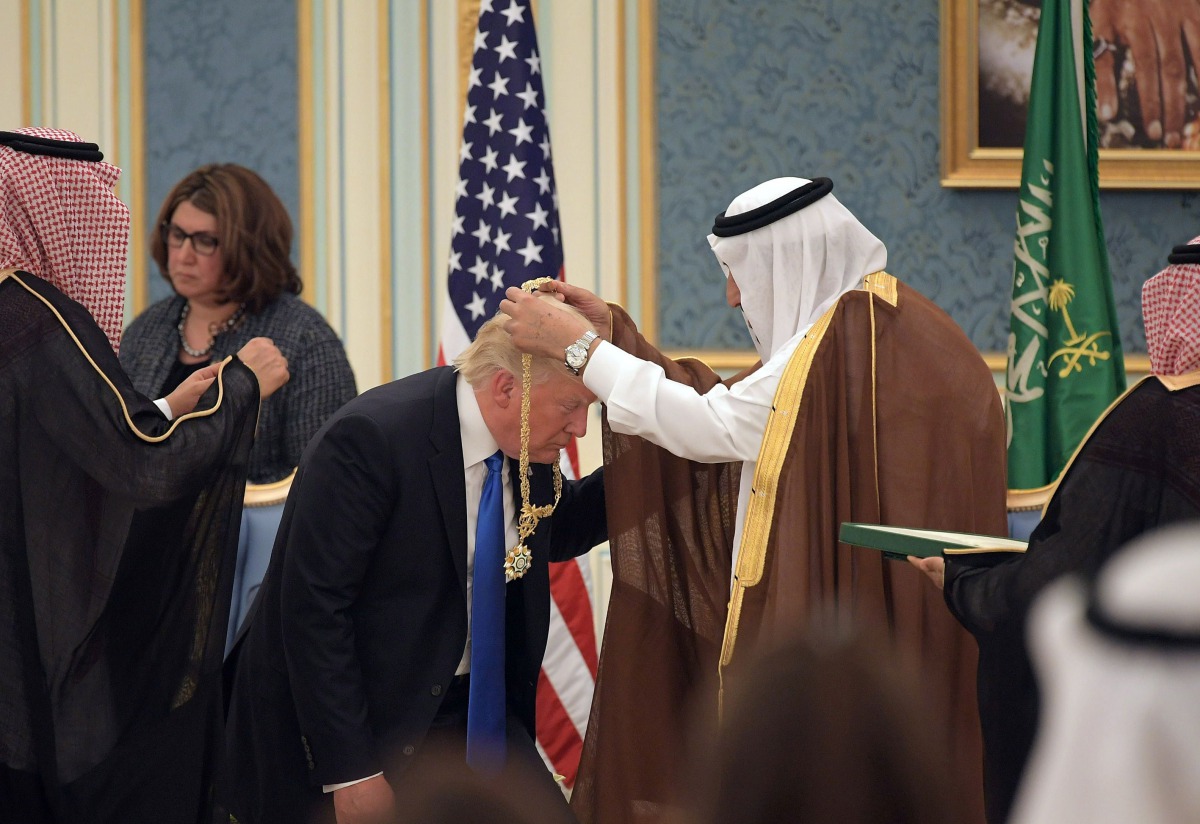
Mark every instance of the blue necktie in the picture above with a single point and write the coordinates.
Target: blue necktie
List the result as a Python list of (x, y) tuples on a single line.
[(486, 705)]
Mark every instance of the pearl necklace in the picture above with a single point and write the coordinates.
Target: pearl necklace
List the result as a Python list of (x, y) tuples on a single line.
[(213, 329)]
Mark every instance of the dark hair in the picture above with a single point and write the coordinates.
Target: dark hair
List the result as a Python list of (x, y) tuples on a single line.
[(824, 730), (253, 229)]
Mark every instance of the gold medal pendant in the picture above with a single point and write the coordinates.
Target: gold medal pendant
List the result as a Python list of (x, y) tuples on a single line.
[(517, 562)]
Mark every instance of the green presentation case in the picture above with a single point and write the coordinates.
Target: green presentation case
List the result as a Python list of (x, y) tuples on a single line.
[(899, 542)]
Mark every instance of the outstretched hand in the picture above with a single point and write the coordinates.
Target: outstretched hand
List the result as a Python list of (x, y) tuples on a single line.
[(537, 326), (590, 304)]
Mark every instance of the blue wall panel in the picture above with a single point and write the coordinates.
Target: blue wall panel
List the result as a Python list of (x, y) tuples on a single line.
[(848, 89), (220, 85)]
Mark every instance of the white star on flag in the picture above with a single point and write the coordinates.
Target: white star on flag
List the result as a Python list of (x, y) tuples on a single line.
[(501, 241), (514, 168), (528, 97), (499, 85), (538, 216), (483, 233), (506, 50), (486, 196), (531, 251), (493, 122), (477, 306), (479, 270), (523, 133), (507, 206), (515, 13)]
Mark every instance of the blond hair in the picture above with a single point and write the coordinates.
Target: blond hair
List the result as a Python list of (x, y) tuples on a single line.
[(493, 350)]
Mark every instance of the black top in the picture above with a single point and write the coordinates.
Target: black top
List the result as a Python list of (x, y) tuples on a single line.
[(117, 546), (1139, 470), (321, 378), (179, 371)]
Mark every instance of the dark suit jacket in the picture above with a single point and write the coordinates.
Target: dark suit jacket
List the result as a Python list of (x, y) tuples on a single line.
[(362, 618)]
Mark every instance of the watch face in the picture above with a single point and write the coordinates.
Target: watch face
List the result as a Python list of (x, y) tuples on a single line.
[(576, 356)]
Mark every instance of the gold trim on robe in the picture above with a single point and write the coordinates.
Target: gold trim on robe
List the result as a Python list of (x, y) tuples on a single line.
[(125, 409), (760, 511)]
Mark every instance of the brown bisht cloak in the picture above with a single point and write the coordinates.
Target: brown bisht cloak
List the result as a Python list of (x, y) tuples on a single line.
[(1137, 470), (118, 532), (897, 420)]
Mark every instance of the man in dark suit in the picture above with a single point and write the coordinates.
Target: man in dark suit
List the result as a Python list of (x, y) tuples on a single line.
[(357, 661)]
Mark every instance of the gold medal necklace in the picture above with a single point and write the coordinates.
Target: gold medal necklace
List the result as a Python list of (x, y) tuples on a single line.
[(518, 559)]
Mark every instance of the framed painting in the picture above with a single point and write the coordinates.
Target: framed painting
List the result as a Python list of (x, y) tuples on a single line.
[(987, 49)]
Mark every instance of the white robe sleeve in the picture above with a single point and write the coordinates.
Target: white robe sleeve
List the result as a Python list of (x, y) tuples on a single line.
[(721, 425)]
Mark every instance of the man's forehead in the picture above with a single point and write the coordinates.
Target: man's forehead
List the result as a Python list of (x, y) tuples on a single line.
[(564, 386)]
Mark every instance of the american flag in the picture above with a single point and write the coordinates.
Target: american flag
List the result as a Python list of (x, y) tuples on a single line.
[(506, 232)]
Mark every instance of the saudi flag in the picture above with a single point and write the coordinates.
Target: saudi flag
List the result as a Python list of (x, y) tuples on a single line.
[(1064, 349)]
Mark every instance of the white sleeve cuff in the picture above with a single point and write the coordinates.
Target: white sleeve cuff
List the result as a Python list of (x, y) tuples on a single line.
[(328, 788), (165, 408), (603, 369)]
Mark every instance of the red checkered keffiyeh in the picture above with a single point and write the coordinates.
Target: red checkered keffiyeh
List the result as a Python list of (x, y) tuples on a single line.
[(61, 220), (1171, 312)]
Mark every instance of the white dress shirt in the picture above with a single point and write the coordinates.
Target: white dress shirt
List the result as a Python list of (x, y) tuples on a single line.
[(477, 445), (724, 424)]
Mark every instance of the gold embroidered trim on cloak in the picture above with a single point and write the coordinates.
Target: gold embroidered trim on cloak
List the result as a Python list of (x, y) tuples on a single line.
[(124, 409), (1067, 466), (874, 395), (781, 424), (206, 579), (884, 285), (760, 509), (1176, 382)]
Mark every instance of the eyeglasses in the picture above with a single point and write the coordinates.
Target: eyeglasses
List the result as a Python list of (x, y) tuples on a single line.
[(202, 242)]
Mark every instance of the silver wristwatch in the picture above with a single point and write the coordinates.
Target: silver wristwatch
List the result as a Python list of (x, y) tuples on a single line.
[(577, 352)]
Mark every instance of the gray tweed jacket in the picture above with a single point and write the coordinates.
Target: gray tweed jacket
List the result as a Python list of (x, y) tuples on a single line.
[(321, 378)]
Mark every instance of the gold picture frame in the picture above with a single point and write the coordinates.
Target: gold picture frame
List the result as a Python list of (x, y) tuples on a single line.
[(965, 164)]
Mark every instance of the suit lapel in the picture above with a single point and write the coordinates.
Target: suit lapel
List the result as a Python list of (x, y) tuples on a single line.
[(446, 470)]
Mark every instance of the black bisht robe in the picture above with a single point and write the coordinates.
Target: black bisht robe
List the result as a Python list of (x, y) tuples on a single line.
[(118, 536), (1138, 470)]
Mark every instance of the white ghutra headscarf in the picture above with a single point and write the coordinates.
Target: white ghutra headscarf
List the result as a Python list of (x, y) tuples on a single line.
[(791, 270), (1119, 672)]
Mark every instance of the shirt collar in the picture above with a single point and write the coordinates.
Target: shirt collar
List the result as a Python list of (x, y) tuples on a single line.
[(477, 440)]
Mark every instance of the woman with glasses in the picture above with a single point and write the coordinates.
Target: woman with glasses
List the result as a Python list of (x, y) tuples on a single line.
[(223, 241)]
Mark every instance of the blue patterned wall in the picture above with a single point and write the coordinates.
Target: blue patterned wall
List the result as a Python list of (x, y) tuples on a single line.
[(220, 82), (848, 89)]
